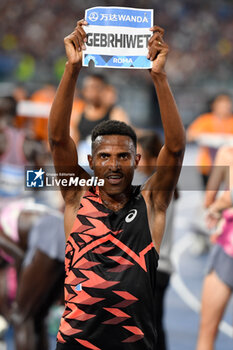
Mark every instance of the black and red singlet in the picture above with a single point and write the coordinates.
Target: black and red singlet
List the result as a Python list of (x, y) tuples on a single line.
[(110, 278)]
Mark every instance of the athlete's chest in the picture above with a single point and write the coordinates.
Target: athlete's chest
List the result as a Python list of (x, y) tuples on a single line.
[(95, 222)]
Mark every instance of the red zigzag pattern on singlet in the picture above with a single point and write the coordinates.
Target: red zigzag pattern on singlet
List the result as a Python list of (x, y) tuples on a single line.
[(89, 233)]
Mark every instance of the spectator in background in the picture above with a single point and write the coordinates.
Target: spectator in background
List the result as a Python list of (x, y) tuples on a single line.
[(33, 236), (46, 95), (20, 94), (218, 283), (149, 147), (218, 121), (17, 149), (110, 101), (98, 107), (12, 155)]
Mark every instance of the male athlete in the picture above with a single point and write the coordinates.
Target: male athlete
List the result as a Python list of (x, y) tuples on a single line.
[(113, 232)]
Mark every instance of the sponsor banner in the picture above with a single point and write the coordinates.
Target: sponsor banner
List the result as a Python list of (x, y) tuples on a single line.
[(118, 37), (119, 17)]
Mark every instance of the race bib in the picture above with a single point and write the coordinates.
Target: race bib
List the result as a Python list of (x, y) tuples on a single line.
[(118, 37)]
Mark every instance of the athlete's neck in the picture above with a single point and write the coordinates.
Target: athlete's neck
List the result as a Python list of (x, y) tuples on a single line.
[(115, 202)]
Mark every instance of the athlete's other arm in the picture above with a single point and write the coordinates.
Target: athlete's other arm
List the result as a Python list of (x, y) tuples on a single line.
[(62, 145), (159, 189)]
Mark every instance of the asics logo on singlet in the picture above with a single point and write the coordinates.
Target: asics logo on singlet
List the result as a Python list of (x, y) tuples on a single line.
[(131, 216)]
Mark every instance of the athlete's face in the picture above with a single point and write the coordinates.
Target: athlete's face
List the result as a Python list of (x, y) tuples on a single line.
[(114, 159)]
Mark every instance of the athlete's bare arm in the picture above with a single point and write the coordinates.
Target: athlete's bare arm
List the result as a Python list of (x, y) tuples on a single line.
[(159, 188), (62, 145)]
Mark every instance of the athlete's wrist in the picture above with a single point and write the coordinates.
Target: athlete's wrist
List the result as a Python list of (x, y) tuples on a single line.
[(158, 76), (72, 69)]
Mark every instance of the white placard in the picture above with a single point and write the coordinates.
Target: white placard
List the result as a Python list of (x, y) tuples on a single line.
[(118, 37)]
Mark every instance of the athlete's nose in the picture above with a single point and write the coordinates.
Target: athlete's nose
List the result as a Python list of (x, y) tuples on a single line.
[(114, 164)]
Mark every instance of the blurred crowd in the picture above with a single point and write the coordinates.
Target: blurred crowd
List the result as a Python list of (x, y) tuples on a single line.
[(199, 34)]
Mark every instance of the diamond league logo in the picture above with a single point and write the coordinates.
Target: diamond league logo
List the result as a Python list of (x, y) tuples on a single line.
[(93, 16)]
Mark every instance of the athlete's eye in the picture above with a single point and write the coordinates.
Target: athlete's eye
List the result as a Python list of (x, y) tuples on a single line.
[(124, 156), (104, 155)]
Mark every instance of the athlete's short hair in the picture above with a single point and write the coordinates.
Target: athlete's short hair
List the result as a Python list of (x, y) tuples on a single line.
[(113, 127)]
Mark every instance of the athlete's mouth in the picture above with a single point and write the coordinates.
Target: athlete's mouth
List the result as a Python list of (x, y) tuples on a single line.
[(114, 179)]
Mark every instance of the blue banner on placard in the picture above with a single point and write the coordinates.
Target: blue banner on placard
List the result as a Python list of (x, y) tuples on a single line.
[(119, 17), (117, 61)]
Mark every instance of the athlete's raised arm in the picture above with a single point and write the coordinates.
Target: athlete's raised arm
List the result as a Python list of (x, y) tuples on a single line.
[(62, 145), (160, 187)]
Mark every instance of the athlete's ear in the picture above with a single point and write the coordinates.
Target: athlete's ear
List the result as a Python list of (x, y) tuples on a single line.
[(137, 160), (90, 161)]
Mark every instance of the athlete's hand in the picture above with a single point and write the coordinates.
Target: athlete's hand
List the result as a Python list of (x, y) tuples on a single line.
[(75, 43), (157, 50)]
